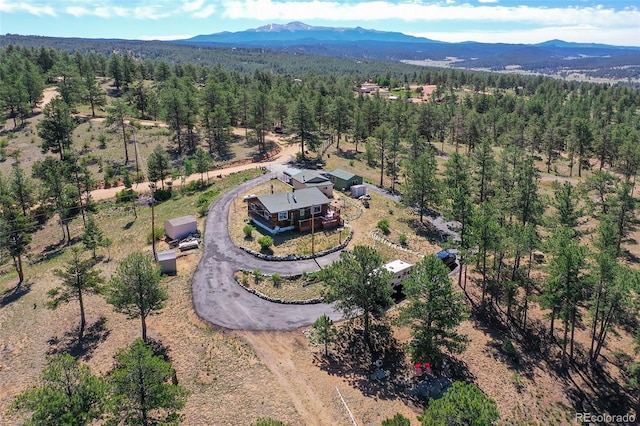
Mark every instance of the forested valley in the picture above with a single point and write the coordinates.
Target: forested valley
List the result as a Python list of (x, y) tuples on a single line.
[(538, 174)]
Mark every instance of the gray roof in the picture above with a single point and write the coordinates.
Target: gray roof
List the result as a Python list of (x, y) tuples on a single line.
[(291, 171), (177, 221), (343, 174), (298, 199), (310, 176), (166, 255)]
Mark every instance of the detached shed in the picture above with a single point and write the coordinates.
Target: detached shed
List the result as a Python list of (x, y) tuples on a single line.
[(343, 180), (167, 262), (358, 191), (180, 227)]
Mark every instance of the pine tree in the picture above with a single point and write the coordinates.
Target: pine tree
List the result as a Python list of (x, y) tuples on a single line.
[(67, 394), (323, 332), (78, 278), (140, 388), (92, 237), (359, 285), (434, 311), (135, 289)]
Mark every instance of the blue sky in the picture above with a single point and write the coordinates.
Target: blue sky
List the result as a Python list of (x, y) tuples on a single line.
[(511, 21)]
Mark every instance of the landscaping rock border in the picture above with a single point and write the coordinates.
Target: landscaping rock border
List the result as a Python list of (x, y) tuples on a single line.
[(284, 302), (293, 257), (375, 234)]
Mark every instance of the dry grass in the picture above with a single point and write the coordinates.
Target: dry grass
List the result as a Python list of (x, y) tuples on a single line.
[(284, 288), (235, 378)]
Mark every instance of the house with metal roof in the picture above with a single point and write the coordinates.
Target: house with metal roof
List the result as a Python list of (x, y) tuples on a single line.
[(302, 210), (343, 180), (312, 179)]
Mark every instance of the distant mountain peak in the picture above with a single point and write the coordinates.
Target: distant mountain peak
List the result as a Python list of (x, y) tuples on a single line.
[(291, 26)]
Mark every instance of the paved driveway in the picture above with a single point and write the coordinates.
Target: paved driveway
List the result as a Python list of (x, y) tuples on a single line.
[(218, 299)]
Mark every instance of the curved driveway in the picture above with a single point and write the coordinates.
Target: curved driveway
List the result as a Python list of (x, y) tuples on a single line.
[(218, 299)]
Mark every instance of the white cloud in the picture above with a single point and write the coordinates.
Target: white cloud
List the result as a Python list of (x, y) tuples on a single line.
[(140, 12), (192, 6), (78, 11), (205, 12), (487, 1), (577, 34), (9, 6), (268, 10)]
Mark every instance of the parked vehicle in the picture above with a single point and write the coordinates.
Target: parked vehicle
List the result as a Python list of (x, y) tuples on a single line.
[(448, 258)]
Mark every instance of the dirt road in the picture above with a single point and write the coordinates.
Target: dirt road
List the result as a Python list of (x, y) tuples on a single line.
[(287, 152)]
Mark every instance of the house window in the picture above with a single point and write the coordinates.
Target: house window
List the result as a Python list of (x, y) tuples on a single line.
[(317, 209), (266, 214), (283, 215), (252, 206), (301, 212)]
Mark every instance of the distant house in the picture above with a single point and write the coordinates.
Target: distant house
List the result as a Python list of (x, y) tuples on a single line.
[(369, 88), (312, 179), (343, 180), (399, 269), (180, 227), (286, 211)]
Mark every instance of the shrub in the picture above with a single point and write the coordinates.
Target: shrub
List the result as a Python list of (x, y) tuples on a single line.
[(126, 195), (277, 279), (397, 420), (383, 225), (161, 195), (248, 231), (265, 242), (257, 276), (203, 211), (194, 186), (403, 239), (158, 232)]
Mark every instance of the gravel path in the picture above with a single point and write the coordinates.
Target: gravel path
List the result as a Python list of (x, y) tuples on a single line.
[(218, 299)]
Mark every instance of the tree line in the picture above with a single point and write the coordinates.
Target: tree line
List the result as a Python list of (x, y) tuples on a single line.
[(499, 126)]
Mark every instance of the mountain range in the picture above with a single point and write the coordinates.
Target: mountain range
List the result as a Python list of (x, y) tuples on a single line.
[(548, 57)]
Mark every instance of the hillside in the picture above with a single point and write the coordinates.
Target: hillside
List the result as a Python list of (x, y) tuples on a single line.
[(533, 175)]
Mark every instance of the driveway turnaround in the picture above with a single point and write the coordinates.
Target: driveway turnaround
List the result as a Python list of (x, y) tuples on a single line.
[(217, 297)]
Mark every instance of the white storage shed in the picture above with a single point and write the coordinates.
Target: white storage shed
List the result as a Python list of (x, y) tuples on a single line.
[(358, 190), (180, 227), (167, 262)]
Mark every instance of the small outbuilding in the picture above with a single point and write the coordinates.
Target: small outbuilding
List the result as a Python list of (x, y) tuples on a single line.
[(343, 180), (180, 227), (358, 191), (167, 262)]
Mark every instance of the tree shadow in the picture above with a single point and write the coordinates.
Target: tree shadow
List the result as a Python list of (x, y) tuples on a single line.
[(15, 293), (80, 349), (426, 229), (396, 379), (128, 225), (590, 389), (347, 154)]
